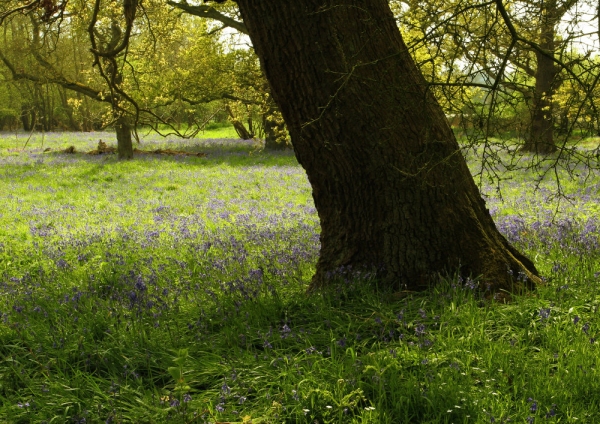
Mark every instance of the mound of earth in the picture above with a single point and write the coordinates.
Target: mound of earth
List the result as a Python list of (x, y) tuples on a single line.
[(102, 148), (168, 152)]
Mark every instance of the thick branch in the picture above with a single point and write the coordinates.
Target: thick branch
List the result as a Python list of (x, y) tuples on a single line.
[(221, 97), (70, 85), (210, 12), (23, 8)]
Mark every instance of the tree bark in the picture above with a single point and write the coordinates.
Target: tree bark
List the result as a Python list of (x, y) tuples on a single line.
[(541, 135), (124, 143), (239, 127), (391, 188), (26, 114)]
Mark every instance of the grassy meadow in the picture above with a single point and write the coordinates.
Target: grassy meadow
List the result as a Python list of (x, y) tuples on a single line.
[(172, 289)]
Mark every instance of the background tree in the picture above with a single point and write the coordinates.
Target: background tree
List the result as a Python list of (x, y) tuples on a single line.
[(249, 98), (520, 53), (144, 76)]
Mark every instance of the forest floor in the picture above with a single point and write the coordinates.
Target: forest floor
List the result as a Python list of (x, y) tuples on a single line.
[(172, 289)]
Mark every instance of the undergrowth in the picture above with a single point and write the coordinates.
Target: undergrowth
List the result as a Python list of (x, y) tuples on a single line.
[(173, 289)]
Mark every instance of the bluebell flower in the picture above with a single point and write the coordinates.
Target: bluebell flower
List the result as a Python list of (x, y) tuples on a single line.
[(62, 264), (470, 284), (285, 331), (420, 329), (552, 411), (225, 389), (586, 327), (139, 284)]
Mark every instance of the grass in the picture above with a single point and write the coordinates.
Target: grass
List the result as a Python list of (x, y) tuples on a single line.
[(172, 289)]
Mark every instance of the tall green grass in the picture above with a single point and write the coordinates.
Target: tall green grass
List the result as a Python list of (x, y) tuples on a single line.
[(172, 289)]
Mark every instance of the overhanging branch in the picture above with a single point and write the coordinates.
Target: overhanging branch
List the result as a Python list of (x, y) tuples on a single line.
[(70, 85), (210, 12)]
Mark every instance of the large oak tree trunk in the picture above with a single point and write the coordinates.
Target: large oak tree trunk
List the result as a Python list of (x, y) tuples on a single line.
[(391, 188)]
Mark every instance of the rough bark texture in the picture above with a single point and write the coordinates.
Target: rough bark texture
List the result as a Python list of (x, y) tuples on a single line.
[(541, 138), (124, 144), (389, 183)]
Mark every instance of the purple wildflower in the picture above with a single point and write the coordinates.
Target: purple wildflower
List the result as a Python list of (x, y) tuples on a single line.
[(470, 284), (285, 331), (586, 327), (420, 330), (552, 411), (545, 313), (225, 389), (62, 264)]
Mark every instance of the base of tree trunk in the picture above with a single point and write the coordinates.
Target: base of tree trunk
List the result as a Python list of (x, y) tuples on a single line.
[(124, 143), (273, 144), (541, 148)]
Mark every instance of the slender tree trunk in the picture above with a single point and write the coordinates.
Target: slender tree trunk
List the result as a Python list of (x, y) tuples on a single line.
[(541, 137), (25, 115), (392, 190), (73, 125), (239, 127), (124, 144)]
